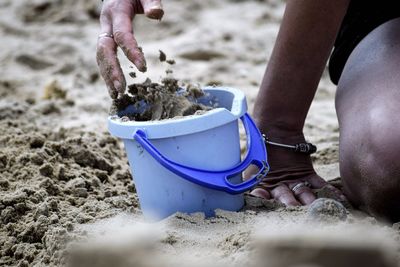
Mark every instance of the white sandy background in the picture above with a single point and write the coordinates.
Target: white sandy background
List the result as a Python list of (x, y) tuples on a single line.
[(53, 43)]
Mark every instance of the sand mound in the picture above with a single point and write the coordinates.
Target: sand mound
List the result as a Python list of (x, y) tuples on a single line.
[(52, 181)]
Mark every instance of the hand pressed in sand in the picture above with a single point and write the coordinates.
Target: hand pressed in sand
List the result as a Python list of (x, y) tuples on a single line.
[(287, 170), (116, 28)]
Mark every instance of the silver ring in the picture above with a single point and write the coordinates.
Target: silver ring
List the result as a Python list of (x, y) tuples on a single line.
[(105, 34), (298, 186)]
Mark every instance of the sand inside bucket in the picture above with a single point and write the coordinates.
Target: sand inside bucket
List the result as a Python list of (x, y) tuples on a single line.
[(157, 101)]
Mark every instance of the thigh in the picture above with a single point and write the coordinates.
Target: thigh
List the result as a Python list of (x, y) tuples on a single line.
[(368, 109)]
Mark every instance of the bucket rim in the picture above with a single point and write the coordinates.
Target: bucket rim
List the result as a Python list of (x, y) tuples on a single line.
[(183, 125)]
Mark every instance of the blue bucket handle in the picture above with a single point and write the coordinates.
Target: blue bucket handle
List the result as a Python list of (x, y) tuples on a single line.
[(219, 180)]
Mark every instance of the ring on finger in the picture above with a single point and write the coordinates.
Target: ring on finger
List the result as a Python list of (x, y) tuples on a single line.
[(105, 34), (298, 186)]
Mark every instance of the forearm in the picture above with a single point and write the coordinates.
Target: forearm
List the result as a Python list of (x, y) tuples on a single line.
[(303, 45)]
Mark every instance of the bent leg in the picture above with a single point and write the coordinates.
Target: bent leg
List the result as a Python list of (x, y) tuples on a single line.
[(368, 109)]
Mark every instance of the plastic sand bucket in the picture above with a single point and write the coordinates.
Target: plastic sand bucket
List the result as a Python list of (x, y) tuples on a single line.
[(193, 163)]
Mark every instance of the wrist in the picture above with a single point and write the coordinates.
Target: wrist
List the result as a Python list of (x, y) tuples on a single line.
[(283, 140), (277, 124), (281, 132)]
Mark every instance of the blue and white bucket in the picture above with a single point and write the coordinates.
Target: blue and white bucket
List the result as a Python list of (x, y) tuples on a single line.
[(193, 164)]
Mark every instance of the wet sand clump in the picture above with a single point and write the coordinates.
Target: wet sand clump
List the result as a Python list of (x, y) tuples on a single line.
[(327, 210), (157, 101)]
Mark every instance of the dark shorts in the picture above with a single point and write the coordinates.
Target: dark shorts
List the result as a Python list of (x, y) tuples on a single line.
[(362, 17)]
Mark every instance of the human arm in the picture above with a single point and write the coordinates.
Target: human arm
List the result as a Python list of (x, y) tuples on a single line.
[(116, 28), (303, 45)]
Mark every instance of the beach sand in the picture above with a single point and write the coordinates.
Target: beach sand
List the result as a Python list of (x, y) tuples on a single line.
[(66, 192)]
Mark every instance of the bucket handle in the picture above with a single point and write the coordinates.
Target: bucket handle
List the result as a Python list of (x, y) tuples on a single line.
[(219, 180)]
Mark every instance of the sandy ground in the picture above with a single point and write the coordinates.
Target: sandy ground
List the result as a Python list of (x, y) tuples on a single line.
[(66, 195)]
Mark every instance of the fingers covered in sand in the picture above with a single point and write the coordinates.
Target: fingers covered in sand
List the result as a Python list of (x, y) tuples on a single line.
[(303, 195), (284, 194), (123, 36), (116, 28), (107, 60), (109, 66)]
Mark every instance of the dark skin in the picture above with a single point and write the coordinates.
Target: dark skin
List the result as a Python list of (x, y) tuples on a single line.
[(365, 103), (303, 45)]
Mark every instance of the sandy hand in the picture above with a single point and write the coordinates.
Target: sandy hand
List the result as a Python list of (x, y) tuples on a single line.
[(292, 178), (116, 31)]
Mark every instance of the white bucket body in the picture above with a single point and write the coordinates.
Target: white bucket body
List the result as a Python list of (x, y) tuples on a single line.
[(206, 142), (162, 193)]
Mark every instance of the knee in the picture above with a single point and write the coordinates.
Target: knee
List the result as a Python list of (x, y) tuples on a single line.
[(380, 189), (383, 203), (370, 170)]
